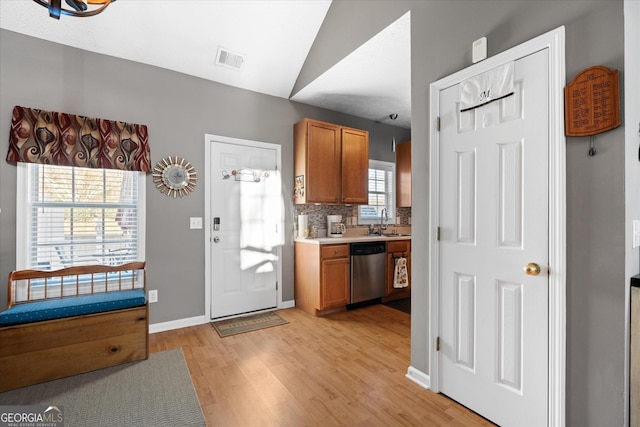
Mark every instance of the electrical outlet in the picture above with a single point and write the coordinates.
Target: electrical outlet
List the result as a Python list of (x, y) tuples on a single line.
[(153, 295)]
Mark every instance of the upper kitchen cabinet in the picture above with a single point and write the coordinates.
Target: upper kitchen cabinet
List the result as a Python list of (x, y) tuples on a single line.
[(403, 175), (355, 166), (331, 163)]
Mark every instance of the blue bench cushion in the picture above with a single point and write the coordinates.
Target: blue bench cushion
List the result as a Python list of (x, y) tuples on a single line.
[(71, 306)]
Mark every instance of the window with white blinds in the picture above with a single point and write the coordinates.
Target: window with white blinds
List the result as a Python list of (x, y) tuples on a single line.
[(69, 216), (381, 194)]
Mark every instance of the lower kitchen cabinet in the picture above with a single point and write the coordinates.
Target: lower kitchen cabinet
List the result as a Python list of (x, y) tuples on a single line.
[(395, 250), (322, 277)]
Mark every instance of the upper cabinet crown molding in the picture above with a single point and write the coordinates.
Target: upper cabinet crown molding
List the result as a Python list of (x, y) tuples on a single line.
[(331, 163)]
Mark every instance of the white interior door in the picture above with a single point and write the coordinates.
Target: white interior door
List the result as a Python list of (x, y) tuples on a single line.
[(246, 214), (494, 220)]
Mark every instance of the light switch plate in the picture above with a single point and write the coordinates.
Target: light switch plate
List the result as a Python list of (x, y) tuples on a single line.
[(195, 222), (636, 233)]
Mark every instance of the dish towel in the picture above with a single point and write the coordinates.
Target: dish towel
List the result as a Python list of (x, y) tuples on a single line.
[(401, 275)]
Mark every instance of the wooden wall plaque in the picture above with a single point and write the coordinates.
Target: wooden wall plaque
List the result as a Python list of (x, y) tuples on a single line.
[(592, 102)]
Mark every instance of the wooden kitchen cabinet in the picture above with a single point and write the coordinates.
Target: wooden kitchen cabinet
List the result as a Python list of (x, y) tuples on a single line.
[(396, 249), (331, 163), (335, 274), (403, 175), (355, 166), (322, 277)]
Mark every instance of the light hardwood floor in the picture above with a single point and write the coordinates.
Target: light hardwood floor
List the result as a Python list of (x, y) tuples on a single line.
[(345, 369)]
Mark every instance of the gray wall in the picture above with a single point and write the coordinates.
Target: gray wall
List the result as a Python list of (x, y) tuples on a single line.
[(441, 34), (38, 74), (178, 110), (632, 136)]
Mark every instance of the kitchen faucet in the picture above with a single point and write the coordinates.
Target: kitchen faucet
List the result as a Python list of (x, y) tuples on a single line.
[(383, 217)]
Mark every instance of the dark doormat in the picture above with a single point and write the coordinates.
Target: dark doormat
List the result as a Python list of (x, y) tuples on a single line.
[(250, 323), (403, 304)]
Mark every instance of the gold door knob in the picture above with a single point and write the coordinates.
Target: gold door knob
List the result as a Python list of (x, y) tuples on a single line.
[(532, 269)]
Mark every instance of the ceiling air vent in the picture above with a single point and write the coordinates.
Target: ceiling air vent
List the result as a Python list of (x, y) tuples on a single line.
[(226, 58)]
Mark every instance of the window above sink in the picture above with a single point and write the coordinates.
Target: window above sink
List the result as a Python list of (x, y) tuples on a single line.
[(381, 194)]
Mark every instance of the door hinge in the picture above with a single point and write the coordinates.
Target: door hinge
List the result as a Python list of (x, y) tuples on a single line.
[(437, 343), (438, 234), (438, 123), (276, 285)]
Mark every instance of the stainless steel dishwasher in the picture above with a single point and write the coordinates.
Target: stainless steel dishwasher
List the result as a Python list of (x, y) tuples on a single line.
[(367, 271)]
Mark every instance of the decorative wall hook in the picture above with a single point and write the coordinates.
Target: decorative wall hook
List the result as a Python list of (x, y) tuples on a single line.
[(246, 175)]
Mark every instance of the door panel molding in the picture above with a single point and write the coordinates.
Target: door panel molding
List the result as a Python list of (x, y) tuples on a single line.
[(509, 333), (510, 194), (554, 42), (465, 320), (466, 209)]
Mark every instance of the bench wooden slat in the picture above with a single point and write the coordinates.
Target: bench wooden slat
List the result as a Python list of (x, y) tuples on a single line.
[(28, 275)]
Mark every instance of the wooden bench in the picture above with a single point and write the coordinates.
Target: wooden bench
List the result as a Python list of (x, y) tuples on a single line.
[(74, 320)]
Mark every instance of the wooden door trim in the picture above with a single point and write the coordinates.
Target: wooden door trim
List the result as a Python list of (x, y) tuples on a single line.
[(554, 41)]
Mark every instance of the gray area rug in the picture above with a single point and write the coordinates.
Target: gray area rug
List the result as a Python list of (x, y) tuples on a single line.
[(153, 392)]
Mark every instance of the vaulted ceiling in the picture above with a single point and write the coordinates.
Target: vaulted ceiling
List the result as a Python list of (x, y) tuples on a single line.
[(265, 43)]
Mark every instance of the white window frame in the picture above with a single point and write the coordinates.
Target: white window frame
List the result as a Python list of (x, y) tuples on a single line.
[(23, 237), (391, 206)]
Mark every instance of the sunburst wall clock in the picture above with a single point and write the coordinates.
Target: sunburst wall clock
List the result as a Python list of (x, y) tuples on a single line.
[(174, 176)]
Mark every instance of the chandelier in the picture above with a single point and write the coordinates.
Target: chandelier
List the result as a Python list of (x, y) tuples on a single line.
[(80, 7)]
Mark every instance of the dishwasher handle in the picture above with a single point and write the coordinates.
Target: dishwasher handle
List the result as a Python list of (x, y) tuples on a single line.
[(369, 248)]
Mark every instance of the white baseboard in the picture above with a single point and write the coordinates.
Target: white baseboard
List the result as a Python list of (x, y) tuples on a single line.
[(177, 324), (287, 304), (418, 377), (198, 320)]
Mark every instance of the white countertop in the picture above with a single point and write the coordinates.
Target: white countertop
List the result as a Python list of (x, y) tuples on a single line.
[(350, 239)]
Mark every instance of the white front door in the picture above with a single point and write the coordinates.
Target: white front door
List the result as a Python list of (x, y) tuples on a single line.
[(494, 219), (245, 220)]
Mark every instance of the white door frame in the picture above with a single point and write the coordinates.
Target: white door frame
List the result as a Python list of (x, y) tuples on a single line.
[(554, 41), (209, 140)]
